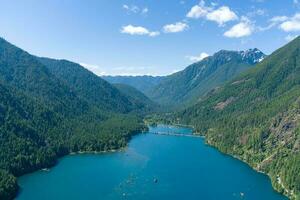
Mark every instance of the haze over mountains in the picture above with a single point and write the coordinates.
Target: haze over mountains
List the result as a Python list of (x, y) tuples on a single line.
[(142, 83)]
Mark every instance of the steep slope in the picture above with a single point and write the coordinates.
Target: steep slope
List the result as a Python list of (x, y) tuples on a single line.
[(43, 116), (89, 86), (189, 85), (139, 99), (256, 117), (142, 83), (22, 71), (23, 147)]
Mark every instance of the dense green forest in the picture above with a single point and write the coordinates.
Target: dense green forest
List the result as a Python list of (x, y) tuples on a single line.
[(50, 108), (45, 114), (256, 118), (139, 98), (189, 85)]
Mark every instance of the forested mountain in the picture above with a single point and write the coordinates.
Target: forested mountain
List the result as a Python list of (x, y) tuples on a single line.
[(140, 100), (45, 114), (256, 117), (91, 87), (189, 85), (142, 83)]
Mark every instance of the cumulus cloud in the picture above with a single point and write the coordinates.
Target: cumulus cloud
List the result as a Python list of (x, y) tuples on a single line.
[(274, 21), (198, 58), (198, 11), (242, 29), (292, 24), (222, 15), (219, 15), (176, 27), (284, 23), (138, 30), (287, 24)]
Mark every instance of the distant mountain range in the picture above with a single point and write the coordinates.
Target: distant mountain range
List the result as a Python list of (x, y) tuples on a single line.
[(256, 117), (189, 85), (142, 83), (196, 80)]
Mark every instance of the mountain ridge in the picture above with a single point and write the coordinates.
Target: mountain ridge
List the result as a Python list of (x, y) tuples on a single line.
[(188, 85), (255, 117), (143, 83), (46, 114)]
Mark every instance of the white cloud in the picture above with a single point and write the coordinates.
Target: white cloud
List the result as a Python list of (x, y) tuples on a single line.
[(145, 10), (242, 29), (154, 33), (296, 2), (197, 58), (126, 7), (138, 30), (174, 28), (292, 24), (220, 15), (274, 21), (135, 9), (285, 23), (279, 19), (198, 11), (290, 37), (135, 30)]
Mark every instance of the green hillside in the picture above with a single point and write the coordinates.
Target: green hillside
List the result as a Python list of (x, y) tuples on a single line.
[(89, 86), (139, 99), (256, 117), (189, 85), (45, 115)]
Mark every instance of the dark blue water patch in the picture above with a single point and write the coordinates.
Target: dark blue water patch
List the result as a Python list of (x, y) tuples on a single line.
[(152, 167)]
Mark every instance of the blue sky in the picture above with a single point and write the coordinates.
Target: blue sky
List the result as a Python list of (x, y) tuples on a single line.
[(136, 37)]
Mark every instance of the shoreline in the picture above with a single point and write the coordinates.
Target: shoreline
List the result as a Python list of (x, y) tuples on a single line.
[(48, 168), (289, 194)]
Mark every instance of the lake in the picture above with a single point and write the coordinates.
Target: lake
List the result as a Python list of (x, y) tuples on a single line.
[(151, 167)]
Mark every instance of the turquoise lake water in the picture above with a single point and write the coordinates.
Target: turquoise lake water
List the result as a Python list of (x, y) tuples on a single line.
[(152, 167)]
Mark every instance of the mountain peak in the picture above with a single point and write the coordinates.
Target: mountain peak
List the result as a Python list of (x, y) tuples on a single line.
[(252, 55)]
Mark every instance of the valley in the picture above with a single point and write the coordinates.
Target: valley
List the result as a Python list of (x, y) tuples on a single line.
[(245, 104)]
